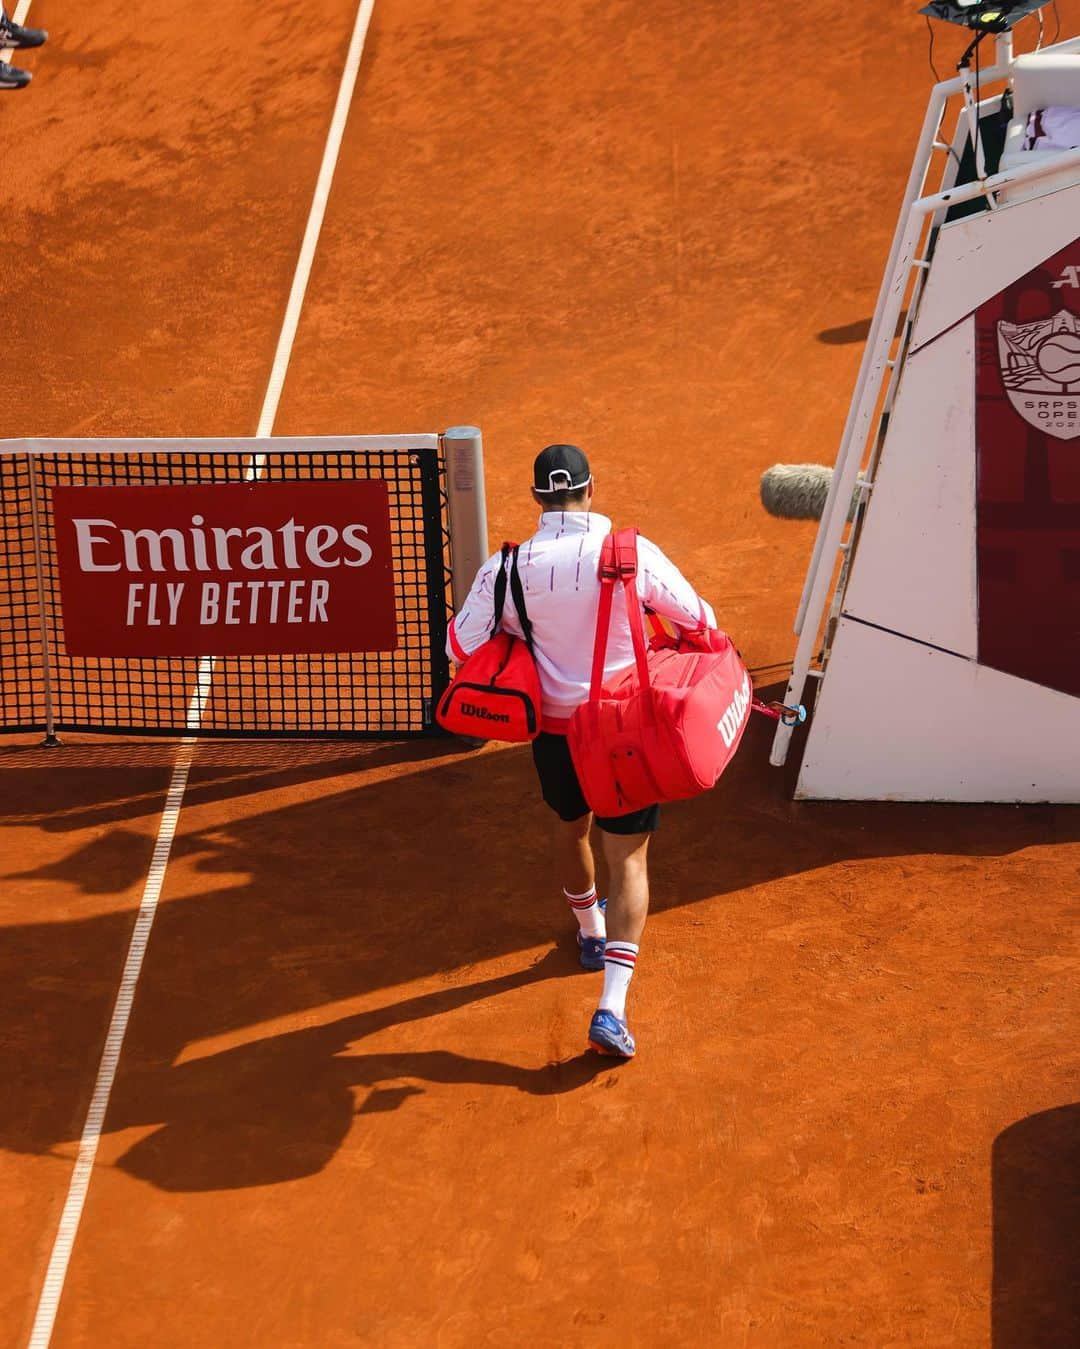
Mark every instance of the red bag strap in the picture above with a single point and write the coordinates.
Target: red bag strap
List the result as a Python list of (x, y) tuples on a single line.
[(603, 615), (618, 562), (626, 560)]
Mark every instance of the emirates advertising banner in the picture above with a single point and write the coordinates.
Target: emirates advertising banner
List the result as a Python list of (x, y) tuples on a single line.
[(225, 569), (1028, 495)]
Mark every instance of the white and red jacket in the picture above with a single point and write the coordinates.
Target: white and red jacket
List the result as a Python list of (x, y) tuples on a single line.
[(559, 569)]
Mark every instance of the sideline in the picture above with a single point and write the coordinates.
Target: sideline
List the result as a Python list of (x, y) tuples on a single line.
[(56, 1274)]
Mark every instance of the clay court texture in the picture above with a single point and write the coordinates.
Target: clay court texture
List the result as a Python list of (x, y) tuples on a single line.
[(353, 1105)]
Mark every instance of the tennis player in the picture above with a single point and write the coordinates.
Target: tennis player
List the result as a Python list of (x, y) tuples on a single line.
[(559, 568)]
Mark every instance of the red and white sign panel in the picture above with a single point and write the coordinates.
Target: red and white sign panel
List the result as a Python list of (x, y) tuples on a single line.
[(261, 568), (1028, 446)]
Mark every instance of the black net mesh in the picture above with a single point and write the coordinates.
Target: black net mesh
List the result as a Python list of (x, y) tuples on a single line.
[(369, 695), (22, 685)]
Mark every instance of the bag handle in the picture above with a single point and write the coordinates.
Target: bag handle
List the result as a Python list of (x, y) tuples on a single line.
[(618, 562)]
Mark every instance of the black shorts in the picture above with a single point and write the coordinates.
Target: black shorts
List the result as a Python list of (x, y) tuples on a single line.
[(562, 791)]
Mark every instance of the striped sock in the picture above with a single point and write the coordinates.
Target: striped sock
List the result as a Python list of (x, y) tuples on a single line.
[(619, 960), (588, 912)]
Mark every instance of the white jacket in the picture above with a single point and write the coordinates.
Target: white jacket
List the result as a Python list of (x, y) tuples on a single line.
[(559, 569)]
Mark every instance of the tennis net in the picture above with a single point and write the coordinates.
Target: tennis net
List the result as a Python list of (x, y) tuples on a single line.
[(48, 681)]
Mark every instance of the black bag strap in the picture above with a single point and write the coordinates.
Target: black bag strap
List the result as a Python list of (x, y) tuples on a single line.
[(510, 550), (518, 594), (500, 586)]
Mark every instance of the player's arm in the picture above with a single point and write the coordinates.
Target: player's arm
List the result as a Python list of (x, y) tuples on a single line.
[(471, 627), (666, 591)]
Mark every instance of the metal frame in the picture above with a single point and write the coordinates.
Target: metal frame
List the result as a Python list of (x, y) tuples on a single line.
[(438, 619), (463, 452), (46, 650), (903, 279), (212, 444)]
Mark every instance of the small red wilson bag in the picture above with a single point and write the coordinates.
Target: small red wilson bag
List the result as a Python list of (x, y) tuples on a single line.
[(496, 693), (667, 728)]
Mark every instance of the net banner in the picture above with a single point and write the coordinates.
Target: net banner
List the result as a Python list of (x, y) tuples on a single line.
[(254, 568), (245, 587)]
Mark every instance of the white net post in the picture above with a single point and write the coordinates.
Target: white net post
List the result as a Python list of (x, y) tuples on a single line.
[(464, 453)]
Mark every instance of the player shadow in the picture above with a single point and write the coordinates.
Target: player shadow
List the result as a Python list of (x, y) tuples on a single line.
[(1036, 1199), (281, 905), (279, 1108)]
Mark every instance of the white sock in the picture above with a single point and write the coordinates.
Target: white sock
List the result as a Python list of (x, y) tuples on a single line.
[(589, 914), (619, 960)]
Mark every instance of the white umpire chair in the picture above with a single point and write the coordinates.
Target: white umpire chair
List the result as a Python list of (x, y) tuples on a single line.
[(888, 622), (1039, 80)]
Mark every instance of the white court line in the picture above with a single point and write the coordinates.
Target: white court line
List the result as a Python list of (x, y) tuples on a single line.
[(56, 1274), (315, 219)]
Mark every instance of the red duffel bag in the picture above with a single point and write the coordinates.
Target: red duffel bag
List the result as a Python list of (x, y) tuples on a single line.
[(665, 729), (495, 694)]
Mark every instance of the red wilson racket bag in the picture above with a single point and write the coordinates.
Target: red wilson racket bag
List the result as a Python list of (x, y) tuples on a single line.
[(667, 728), (496, 693)]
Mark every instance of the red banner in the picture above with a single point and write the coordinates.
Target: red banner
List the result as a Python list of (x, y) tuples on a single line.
[(1028, 447), (225, 569)]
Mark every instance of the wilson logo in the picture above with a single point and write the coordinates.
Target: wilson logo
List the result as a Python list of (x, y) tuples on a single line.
[(729, 723), (471, 710)]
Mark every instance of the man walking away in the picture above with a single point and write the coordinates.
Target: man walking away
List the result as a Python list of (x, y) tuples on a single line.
[(559, 568)]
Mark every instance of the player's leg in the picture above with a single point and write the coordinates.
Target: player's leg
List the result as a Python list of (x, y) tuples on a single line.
[(577, 876), (626, 848), (572, 850), (574, 865), (627, 857)]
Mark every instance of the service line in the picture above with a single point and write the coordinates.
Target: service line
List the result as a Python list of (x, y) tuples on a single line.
[(60, 1258)]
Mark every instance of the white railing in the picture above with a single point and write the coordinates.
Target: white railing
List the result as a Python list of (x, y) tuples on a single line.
[(878, 364)]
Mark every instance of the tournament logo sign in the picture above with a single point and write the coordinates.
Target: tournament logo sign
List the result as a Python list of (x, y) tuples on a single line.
[(225, 569), (1040, 366), (1027, 431)]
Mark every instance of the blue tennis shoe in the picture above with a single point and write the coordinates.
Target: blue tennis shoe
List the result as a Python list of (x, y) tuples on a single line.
[(609, 1035), (592, 952)]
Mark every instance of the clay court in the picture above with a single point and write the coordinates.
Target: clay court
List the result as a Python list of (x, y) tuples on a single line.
[(353, 1105)]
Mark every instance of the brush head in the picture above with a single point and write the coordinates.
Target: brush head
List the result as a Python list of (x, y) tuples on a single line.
[(795, 491)]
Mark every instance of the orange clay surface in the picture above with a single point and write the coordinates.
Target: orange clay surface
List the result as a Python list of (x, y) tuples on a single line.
[(353, 1107)]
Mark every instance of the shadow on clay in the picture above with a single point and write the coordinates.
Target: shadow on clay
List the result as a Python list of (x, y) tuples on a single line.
[(291, 902), (1036, 1196), (847, 333), (278, 1108)]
